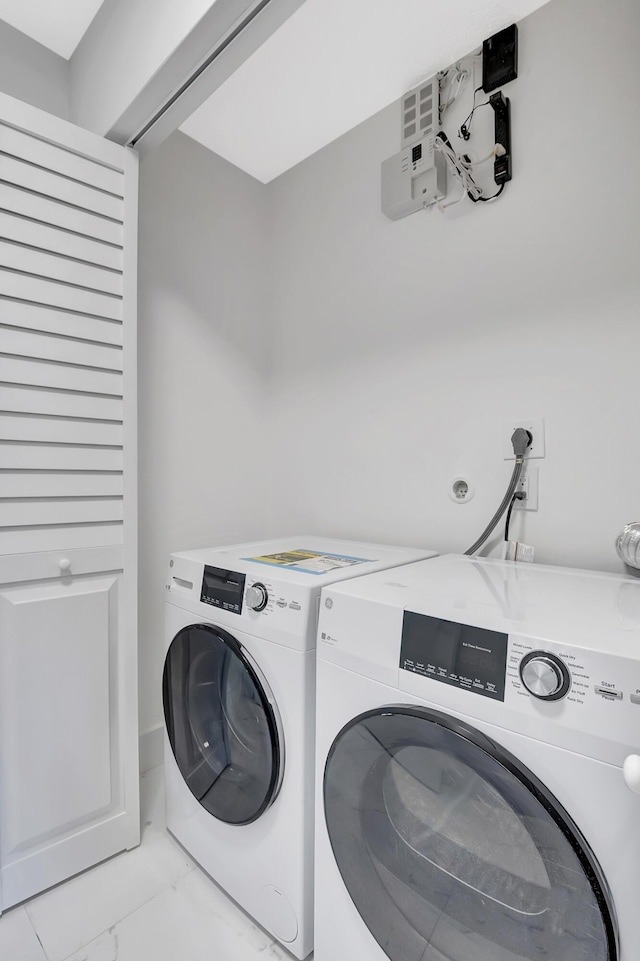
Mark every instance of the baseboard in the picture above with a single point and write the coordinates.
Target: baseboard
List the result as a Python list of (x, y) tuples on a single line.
[(151, 748)]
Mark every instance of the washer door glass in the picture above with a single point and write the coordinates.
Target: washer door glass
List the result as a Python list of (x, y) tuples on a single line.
[(452, 850), (221, 725)]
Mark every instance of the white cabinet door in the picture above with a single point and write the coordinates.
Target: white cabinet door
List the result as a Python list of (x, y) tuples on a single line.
[(65, 679), (68, 524)]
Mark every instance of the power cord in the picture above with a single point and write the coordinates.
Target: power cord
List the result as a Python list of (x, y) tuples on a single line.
[(518, 496), (520, 439), (462, 168), (461, 76), (487, 200)]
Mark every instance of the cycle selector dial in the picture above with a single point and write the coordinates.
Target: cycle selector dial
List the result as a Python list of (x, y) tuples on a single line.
[(257, 597), (545, 676)]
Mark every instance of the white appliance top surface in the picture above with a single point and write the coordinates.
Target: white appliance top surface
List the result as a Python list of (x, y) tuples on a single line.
[(306, 559), (590, 609)]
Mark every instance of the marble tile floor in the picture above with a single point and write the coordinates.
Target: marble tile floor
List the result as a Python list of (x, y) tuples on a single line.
[(149, 904)]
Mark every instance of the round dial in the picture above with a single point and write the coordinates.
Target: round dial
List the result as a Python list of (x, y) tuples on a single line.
[(545, 676), (257, 597)]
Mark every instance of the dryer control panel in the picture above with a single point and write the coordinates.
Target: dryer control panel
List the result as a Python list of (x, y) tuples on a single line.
[(584, 700), (467, 657)]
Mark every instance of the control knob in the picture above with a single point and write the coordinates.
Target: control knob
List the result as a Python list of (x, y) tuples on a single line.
[(257, 597), (545, 676)]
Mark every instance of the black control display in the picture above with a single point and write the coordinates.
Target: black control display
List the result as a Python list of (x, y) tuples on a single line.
[(223, 589), (470, 658)]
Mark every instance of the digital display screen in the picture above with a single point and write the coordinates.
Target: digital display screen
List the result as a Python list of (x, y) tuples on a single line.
[(223, 589), (466, 657)]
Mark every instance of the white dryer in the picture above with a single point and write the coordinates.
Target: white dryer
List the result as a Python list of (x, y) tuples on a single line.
[(239, 707), (478, 733)]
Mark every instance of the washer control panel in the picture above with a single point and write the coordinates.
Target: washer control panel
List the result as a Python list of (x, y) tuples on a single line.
[(268, 598), (222, 588), (277, 609)]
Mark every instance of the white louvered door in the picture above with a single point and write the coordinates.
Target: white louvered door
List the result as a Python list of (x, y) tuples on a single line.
[(68, 556)]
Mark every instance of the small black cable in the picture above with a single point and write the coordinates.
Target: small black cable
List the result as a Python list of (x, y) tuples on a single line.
[(518, 496), (465, 128), (485, 200)]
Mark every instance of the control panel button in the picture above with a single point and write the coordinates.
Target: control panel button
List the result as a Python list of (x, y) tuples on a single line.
[(609, 692), (545, 676), (635, 698), (257, 597)]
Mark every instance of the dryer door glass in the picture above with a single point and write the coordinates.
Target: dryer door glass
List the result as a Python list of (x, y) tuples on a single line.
[(221, 725), (451, 849)]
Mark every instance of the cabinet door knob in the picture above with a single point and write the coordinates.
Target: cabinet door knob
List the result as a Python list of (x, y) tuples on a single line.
[(631, 771), (64, 564)]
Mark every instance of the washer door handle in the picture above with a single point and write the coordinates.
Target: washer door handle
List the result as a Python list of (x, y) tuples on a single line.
[(631, 772)]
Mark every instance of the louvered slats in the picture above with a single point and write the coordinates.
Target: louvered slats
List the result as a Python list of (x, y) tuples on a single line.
[(59, 430), (58, 160), (49, 212), (48, 184), (18, 370), (61, 288), (59, 403), (42, 237), (65, 350), (25, 540), (80, 327), (30, 456), (43, 484), (55, 267), (53, 294), (62, 511)]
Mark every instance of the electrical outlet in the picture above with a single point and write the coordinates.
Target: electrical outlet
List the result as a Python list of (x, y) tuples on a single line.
[(528, 483), (533, 424)]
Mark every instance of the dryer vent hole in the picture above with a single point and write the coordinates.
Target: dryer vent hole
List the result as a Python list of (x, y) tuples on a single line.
[(461, 490)]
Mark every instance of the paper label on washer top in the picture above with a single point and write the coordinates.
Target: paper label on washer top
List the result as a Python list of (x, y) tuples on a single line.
[(308, 562)]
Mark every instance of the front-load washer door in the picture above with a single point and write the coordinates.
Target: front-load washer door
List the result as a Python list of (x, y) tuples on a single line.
[(451, 850), (221, 724)]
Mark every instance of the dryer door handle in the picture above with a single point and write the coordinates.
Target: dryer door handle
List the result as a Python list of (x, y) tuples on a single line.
[(631, 772)]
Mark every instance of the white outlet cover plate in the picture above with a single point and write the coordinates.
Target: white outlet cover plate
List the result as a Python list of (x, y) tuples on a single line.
[(533, 424), (528, 482)]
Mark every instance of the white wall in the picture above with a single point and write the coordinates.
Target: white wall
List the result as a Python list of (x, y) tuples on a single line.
[(402, 347), (32, 73), (204, 464), (358, 365)]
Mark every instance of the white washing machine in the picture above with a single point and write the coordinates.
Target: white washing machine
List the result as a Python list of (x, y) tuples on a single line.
[(239, 703), (478, 732)]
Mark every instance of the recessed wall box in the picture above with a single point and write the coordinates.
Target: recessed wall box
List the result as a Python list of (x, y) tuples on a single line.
[(412, 179), (500, 59)]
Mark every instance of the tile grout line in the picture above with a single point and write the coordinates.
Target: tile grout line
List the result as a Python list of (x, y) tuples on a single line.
[(33, 928), (123, 918)]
